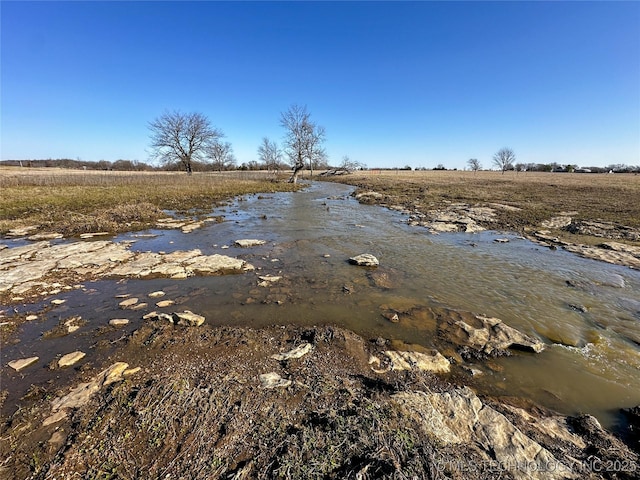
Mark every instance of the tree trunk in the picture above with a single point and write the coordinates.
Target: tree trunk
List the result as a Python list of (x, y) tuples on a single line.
[(296, 171)]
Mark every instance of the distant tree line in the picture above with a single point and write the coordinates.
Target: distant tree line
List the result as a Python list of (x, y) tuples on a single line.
[(570, 168), (119, 165)]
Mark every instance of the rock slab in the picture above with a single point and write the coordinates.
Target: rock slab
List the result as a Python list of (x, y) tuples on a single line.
[(298, 352), (489, 335), (18, 365), (433, 362), (273, 380), (188, 318), (71, 358), (459, 417), (81, 394), (249, 242)]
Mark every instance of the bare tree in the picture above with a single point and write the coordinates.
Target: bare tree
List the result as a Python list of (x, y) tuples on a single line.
[(346, 166), (303, 139), (182, 138), (349, 165), (504, 158), (474, 164), (270, 154), (221, 155)]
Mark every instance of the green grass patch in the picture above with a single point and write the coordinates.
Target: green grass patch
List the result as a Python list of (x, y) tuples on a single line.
[(72, 202)]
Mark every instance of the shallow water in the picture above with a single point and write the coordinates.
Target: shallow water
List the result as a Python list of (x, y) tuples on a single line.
[(592, 362)]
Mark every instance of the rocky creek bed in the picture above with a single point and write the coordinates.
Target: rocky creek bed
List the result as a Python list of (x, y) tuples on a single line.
[(178, 399), (175, 397), (469, 218)]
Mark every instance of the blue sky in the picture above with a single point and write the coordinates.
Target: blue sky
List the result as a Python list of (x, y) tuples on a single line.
[(393, 83)]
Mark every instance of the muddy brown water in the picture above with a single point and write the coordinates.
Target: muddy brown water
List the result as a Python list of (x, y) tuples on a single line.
[(587, 312)]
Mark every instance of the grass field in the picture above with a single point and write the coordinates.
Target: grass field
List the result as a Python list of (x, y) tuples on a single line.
[(76, 201)]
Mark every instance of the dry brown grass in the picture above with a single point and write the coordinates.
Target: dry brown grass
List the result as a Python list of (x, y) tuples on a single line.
[(76, 201), (610, 198)]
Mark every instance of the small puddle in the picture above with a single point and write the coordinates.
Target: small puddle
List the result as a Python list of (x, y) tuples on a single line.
[(587, 312)]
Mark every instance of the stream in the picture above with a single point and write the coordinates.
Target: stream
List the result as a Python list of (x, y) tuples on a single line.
[(587, 312)]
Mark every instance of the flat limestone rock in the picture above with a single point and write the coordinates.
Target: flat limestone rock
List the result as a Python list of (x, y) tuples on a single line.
[(442, 227), (81, 394), (170, 223), (158, 316), (188, 318), (22, 269), (21, 232), (365, 260), (71, 358), (190, 227), (434, 362), (488, 335), (211, 264), (55, 418), (460, 417), (618, 256), (249, 242), (268, 280), (129, 302), (45, 236), (165, 303), (118, 322), (171, 270), (299, 351), (180, 256), (139, 267), (94, 234), (561, 221), (273, 380), (18, 365), (156, 294)]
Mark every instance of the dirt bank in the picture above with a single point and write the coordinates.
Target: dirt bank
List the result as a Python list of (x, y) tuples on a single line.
[(219, 403)]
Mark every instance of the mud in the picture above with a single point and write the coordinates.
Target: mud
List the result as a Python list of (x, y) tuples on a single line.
[(195, 407)]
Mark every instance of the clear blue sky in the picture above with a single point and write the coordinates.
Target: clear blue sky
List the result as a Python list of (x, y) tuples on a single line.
[(393, 84)]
